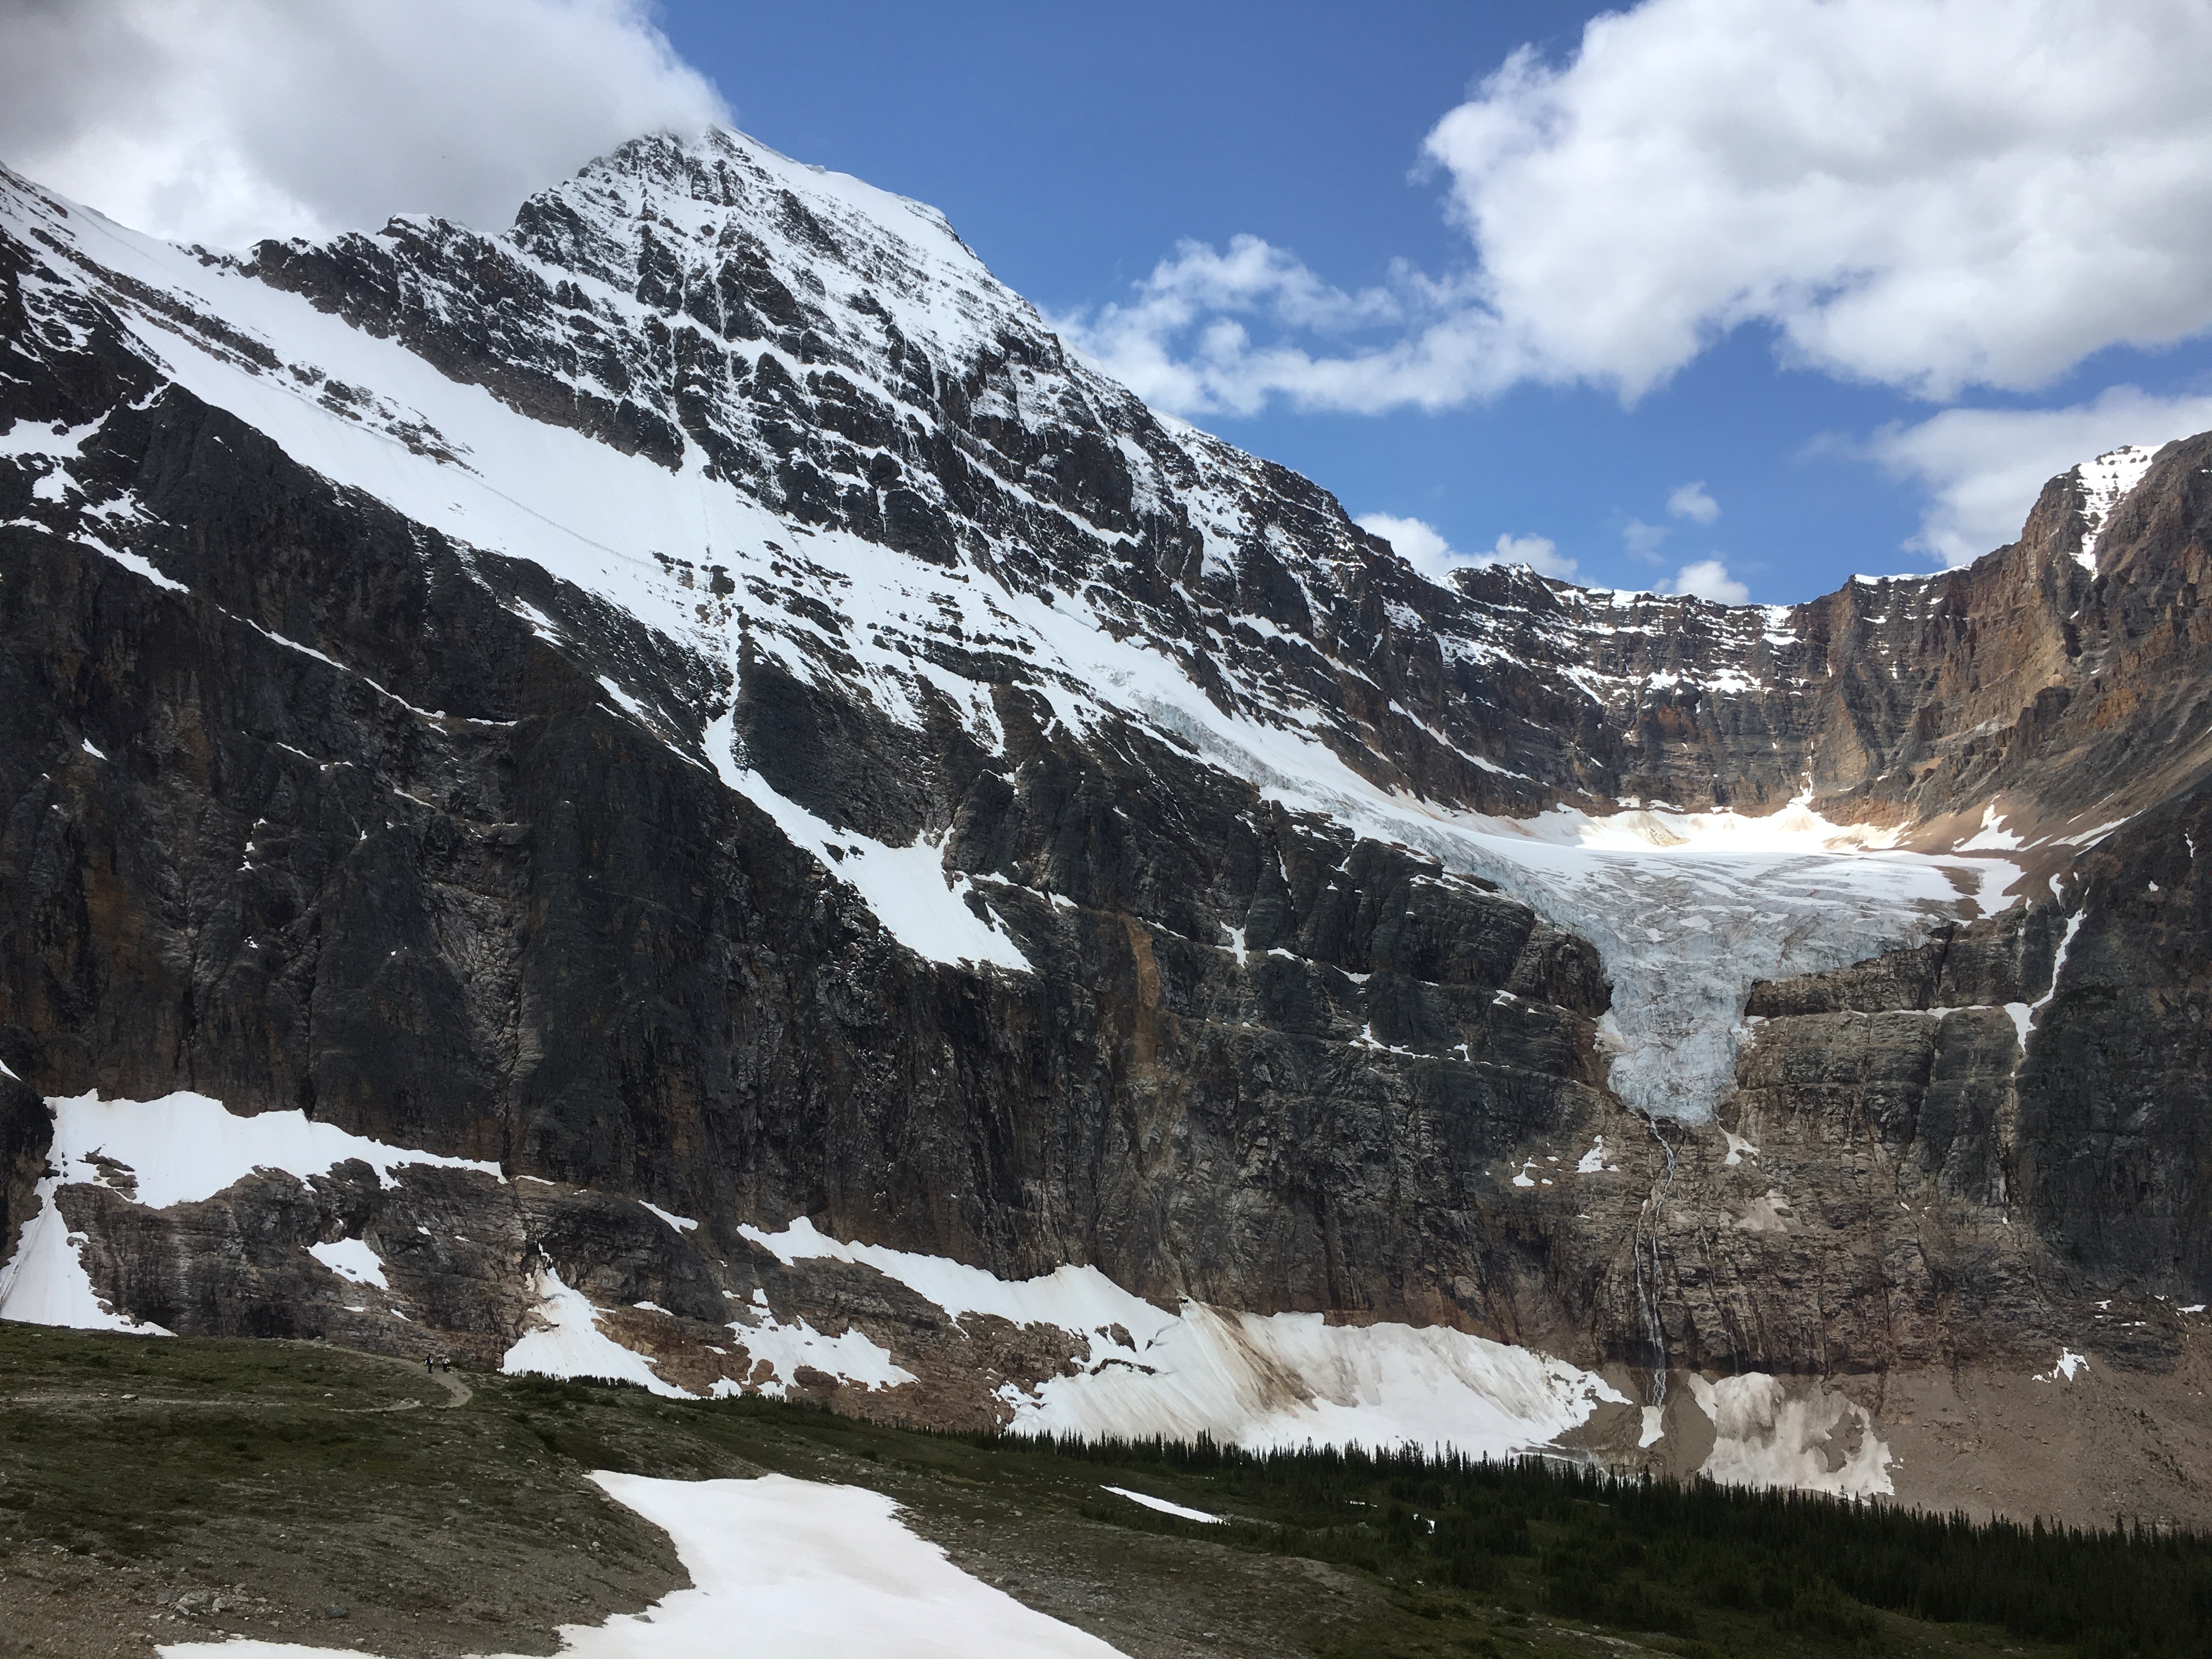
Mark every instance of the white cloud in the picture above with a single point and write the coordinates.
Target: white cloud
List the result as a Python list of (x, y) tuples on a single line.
[(1416, 541), (1422, 545), (1926, 194), (1691, 502), (1182, 343), (1708, 578), (223, 121), (1641, 540), (1983, 468)]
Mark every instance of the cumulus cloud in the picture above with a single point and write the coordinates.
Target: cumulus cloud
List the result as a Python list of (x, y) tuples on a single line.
[(1925, 194), (1422, 545), (1691, 502), (1983, 468), (1708, 578), (223, 121), (1184, 343)]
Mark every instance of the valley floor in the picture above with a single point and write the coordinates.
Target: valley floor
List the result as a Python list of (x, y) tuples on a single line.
[(156, 1495)]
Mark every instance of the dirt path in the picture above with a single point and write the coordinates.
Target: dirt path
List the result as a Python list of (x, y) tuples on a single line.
[(458, 1393)]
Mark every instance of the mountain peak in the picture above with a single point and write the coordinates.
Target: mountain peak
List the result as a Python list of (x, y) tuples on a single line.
[(689, 204), (2103, 481)]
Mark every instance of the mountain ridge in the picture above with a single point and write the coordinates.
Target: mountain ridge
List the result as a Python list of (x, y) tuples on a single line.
[(767, 751)]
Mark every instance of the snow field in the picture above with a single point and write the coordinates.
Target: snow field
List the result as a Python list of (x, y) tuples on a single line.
[(785, 1569), (1259, 1379), (1255, 1380), (1285, 1379)]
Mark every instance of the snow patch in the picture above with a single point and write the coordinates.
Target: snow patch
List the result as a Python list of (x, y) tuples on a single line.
[(1766, 1214), (1990, 837), (44, 1281), (2025, 1014), (181, 1149), (1810, 1437), (565, 1341), (137, 563), (906, 887), (784, 1569), (852, 1356), (351, 1258), (1163, 1507), (2070, 1364), (2104, 482), (186, 1148)]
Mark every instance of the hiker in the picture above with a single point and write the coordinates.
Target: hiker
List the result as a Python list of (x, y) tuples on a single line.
[(429, 1362)]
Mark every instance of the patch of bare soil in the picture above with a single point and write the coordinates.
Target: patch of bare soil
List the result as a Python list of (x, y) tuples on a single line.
[(2104, 1442)]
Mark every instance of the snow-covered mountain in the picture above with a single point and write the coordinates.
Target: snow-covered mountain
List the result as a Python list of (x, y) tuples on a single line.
[(681, 792)]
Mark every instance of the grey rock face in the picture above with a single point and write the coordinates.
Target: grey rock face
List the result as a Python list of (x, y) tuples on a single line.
[(519, 931)]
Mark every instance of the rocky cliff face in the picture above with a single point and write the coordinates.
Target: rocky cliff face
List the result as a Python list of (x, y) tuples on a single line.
[(698, 713)]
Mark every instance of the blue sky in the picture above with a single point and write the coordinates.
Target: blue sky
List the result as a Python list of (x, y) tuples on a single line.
[(1075, 146), (1864, 272)]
